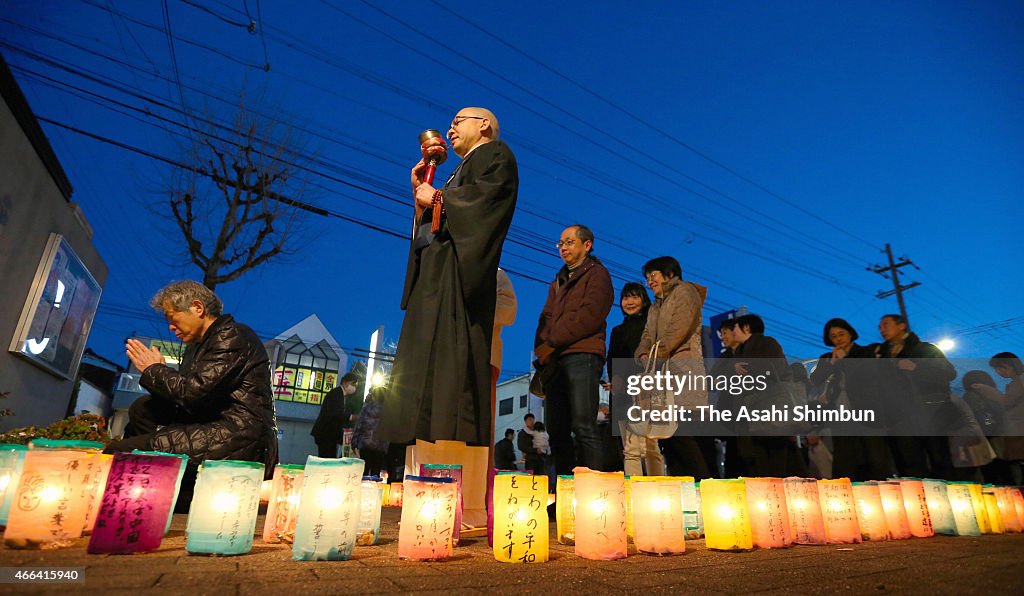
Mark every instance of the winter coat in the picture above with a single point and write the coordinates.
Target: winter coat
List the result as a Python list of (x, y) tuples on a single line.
[(574, 318), (333, 417), (364, 436), (922, 396), (856, 374), (223, 396), (674, 323), (1011, 447)]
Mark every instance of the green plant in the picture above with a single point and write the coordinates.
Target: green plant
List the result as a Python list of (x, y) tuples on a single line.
[(83, 427)]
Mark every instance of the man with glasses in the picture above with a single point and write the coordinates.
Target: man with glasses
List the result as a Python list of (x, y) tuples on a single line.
[(570, 345), (440, 384)]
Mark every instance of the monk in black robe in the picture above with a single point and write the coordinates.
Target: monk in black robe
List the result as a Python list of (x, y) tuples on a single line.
[(440, 384)]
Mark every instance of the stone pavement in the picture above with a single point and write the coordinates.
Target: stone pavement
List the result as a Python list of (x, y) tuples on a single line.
[(939, 565)]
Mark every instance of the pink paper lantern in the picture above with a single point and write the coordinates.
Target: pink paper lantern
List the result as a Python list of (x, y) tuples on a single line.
[(839, 511), (806, 522), (453, 471), (769, 514), (137, 500), (600, 514), (428, 519), (895, 511)]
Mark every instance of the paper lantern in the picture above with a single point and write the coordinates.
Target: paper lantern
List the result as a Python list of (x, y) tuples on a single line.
[(222, 516), (959, 494), (870, 513), (693, 519), (600, 514), (1007, 510), (939, 508), (630, 481), (329, 508), (137, 501), (86, 446), (839, 511), (489, 499), (51, 499), (1018, 503), (769, 515), (368, 530), (565, 510), (428, 517), (396, 493), (895, 511), (658, 515), (12, 459), (916, 502), (980, 510), (520, 518), (807, 525), (995, 517), (283, 504), (98, 468), (183, 459), (726, 516), (453, 471)]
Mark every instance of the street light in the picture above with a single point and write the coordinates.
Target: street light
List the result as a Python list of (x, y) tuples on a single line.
[(378, 379), (946, 344)]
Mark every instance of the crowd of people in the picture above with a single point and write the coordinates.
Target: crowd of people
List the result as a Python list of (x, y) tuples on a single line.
[(900, 377)]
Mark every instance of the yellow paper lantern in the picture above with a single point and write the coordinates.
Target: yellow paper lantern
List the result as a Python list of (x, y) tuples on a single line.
[(520, 518), (1018, 503), (1007, 510), (600, 514), (283, 504), (995, 517), (839, 511), (726, 517), (428, 518), (807, 525), (916, 502), (396, 494), (52, 499), (895, 510), (870, 513), (960, 504), (939, 507), (97, 469), (658, 515), (769, 514), (565, 510)]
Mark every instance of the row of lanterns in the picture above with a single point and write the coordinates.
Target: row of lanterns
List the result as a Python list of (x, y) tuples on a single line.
[(55, 491)]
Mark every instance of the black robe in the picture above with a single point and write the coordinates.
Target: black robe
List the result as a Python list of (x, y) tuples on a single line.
[(441, 381)]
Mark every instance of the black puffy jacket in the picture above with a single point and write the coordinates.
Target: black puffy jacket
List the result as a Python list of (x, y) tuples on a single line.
[(222, 392)]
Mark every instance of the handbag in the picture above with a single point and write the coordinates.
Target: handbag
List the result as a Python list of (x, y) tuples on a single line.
[(652, 400), (786, 396)]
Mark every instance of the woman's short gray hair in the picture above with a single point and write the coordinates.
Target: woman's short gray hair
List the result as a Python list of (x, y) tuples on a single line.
[(181, 294)]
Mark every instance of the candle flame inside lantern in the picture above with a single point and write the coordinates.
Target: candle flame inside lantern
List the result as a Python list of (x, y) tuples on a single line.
[(50, 494), (330, 498), (660, 504), (430, 508), (224, 502), (521, 515), (725, 512), (4, 481), (136, 492), (599, 506), (888, 504), (865, 507), (960, 505), (835, 505), (762, 505), (799, 503), (292, 499)]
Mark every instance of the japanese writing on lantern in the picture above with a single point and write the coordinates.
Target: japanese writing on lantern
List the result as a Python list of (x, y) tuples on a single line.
[(520, 518), (435, 518)]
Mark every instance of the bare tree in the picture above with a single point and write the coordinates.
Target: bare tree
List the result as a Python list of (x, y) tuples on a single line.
[(241, 196)]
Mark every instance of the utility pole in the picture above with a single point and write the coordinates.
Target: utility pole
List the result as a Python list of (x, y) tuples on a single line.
[(897, 289)]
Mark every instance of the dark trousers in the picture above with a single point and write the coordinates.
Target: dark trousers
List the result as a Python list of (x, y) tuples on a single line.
[(375, 461), (572, 401), (144, 416), (861, 458), (923, 457), (684, 457), (326, 447)]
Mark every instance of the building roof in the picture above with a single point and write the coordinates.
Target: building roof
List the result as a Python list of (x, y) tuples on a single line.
[(16, 102)]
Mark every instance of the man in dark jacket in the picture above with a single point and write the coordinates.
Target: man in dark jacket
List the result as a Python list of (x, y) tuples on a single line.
[(916, 389), (571, 339), (334, 417), (505, 452), (218, 404)]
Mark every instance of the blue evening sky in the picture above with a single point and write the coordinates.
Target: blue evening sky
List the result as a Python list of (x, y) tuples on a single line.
[(772, 147)]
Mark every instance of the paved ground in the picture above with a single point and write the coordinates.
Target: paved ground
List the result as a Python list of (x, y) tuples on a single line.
[(940, 565)]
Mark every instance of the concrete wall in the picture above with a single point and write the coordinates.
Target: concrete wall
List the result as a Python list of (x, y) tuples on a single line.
[(32, 206)]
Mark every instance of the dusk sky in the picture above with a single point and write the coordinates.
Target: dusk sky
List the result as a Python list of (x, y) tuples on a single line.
[(773, 148)]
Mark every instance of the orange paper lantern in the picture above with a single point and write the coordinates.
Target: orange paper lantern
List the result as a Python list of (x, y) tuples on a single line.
[(1004, 499), (895, 511), (769, 514), (916, 502), (51, 500), (805, 519), (283, 504), (839, 511), (658, 517), (428, 518)]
